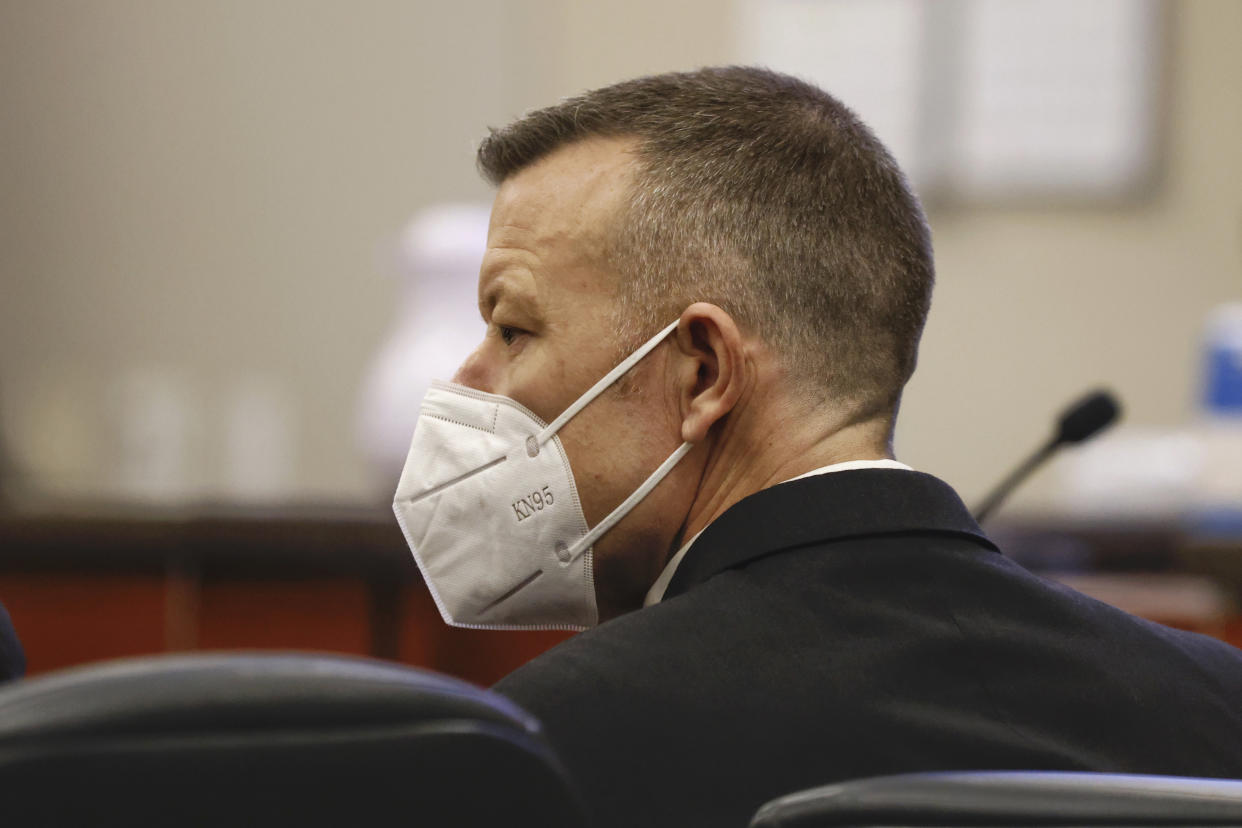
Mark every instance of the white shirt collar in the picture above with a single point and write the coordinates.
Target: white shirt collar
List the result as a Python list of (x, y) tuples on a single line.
[(656, 593)]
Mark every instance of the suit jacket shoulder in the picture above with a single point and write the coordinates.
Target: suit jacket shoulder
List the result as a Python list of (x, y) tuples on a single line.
[(859, 624)]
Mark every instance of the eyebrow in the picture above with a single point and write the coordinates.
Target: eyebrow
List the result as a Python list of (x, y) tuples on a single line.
[(499, 287)]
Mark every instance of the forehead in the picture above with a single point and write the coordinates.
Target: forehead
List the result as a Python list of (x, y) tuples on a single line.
[(555, 215)]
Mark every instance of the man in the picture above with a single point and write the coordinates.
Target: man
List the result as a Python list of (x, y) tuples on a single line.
[(782, 605)]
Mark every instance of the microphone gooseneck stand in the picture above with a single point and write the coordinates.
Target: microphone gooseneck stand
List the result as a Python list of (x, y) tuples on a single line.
[(1081, 421)]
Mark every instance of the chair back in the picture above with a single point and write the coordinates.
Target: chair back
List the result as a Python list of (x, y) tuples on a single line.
[(273, 740), (1009, 798)]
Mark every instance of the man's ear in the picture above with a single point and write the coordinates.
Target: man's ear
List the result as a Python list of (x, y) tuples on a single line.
[(712, 369)]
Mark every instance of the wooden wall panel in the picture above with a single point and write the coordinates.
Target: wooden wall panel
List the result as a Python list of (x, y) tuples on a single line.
[(480, 656), (68, 619), (83, 588), (420, 627), (314, 614)]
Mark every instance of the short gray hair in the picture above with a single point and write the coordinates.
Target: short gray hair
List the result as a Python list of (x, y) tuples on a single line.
[(764, 195)]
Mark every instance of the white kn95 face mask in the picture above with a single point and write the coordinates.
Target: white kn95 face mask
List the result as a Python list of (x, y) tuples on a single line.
[(488, 505)]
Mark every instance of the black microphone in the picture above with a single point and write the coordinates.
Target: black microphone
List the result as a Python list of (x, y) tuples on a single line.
[(1081, 421)]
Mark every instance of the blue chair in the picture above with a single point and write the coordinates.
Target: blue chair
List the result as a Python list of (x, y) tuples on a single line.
[(278, 740)]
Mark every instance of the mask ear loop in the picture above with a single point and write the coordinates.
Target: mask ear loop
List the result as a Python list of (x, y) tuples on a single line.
[(535, 444), (598, 388), (653, 480)]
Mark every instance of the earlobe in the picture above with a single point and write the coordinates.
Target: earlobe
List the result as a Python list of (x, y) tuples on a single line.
[(712, 375)]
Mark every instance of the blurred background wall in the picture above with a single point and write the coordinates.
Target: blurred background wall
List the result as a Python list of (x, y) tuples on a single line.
[(200, 200)]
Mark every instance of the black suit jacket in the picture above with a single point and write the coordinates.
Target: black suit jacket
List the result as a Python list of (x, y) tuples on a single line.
[(859, 623)]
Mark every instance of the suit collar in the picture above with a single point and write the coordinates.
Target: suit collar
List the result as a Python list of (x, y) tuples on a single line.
[(824, 508)]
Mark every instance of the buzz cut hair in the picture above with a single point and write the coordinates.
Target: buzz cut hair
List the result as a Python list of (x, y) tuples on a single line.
[(762, 194)]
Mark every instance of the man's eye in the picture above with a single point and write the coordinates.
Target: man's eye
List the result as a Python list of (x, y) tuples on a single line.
[(508, 333)]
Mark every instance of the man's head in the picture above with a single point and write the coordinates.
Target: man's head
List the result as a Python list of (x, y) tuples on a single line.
[(765, 196), (757, 212)]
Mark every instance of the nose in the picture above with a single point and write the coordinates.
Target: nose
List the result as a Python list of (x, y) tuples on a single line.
[(473, 372)]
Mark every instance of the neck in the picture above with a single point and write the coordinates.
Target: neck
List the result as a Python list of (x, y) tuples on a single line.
[(745, 457)]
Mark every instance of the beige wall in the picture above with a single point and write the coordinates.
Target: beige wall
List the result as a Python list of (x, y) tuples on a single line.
[(197, 196), (1034, 306)]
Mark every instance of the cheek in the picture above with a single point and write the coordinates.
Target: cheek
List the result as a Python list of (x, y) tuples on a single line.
[(544, 394), (613, 446), (531, 378)]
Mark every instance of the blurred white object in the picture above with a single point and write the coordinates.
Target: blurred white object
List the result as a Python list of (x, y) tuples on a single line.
[(983, 99), (259, 441), (156, 422), (1193, 472), (1142, 473), (867, 53), (57, 433), (437, 325), (1056, 98)]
